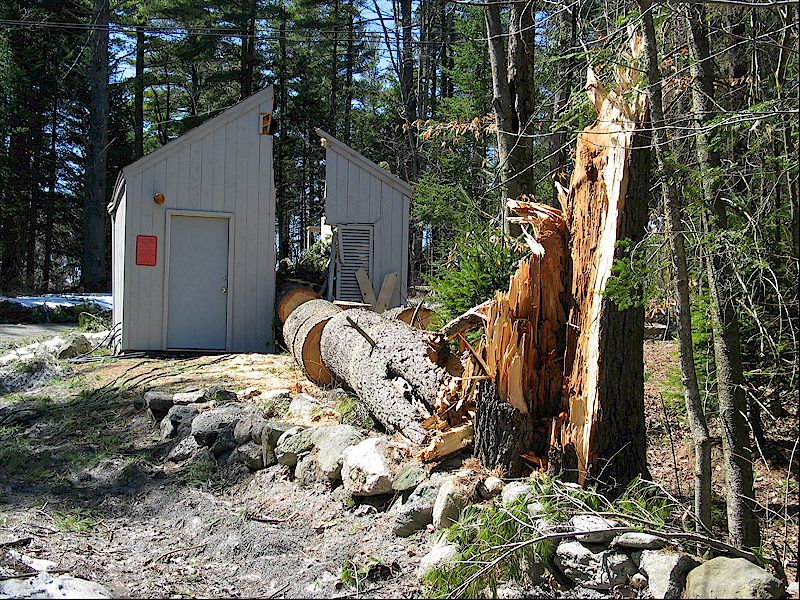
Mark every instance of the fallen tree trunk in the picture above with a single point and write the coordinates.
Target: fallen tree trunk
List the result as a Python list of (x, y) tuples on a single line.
[(291, 294), (386, 364), (302, 332), (420, 315)]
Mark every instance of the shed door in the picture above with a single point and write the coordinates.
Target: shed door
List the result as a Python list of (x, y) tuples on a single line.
[(197, 314), (356, 251)]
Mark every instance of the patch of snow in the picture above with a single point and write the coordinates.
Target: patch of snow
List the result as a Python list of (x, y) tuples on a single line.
[(104, 301)]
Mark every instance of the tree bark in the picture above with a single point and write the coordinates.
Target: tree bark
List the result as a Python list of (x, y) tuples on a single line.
[(742, 523), (502, 433), (51, 199), (94, 268)]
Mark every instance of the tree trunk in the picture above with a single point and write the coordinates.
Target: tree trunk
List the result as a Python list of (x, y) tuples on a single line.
[(386, 364), (94, 269), (51, 199), (672, 215), (334, 71), (559, 153), (350, 60), (513, 97), (742, 523), (248, 50), (502, 433), (603, 420), (138, 96), (302, 332)]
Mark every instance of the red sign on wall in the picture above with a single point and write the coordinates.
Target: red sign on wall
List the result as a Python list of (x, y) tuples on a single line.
[(146, 250)]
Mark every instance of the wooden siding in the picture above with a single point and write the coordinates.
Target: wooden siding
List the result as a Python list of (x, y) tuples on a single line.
[(225, 166), (359, 192)]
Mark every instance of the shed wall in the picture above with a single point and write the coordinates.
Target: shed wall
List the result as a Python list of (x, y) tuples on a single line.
[(229, 169), (355, 195), (118, 275)]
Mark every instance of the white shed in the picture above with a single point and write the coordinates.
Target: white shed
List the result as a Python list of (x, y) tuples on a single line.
[(369, 209), (193, 264)]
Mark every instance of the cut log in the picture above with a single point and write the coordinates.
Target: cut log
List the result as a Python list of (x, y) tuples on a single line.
[(420, 315), (357, 357), (302, 332), (291, 294), (405, 350)]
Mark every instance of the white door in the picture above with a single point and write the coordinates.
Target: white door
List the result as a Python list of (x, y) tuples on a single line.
[(197, 312)]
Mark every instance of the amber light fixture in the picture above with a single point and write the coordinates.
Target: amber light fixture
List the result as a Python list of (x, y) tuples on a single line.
[(158, 198)]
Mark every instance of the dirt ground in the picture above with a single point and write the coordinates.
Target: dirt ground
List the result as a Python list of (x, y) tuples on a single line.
[(84, 484)]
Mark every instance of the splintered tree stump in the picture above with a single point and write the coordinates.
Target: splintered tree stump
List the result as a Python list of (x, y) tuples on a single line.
[(291, 294), (386, 364), (302, 332), (603, 404), (502, 433), (421, 316)]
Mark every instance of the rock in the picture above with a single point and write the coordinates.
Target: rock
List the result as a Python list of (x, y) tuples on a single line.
[(220, 395), (509, 591), (274, 394), (593, 566), (365, 468), (183, 450), (45, 585), (248, 428), (724, 577), (292, 444), (638, 581), (636, 540), (514, 490), (440, 557), (248, 393), (450, 501), (666, 571), (249, 454), (417, 512), (208, 426), (409, 477), (224, 442), (272, 432), (192, 397), (330, 443), (793, 590), (158, 403), (596, 527), (74, 345), (491, 487), (303, 406), (178, 422), (306, 471)]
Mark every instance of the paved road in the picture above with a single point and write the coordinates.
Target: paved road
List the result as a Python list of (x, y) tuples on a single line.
[(10, 333)]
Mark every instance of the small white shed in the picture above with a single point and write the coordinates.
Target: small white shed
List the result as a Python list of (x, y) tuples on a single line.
[(193, 260), (369, 209)]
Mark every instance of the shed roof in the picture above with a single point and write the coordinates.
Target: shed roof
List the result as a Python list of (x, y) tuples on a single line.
[(343, 149), (187, 138)]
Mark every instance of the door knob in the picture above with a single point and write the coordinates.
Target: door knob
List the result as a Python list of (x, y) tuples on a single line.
[(224, 290)]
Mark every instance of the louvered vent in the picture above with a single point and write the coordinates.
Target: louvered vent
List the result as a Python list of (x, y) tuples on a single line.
[(356, 248)]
